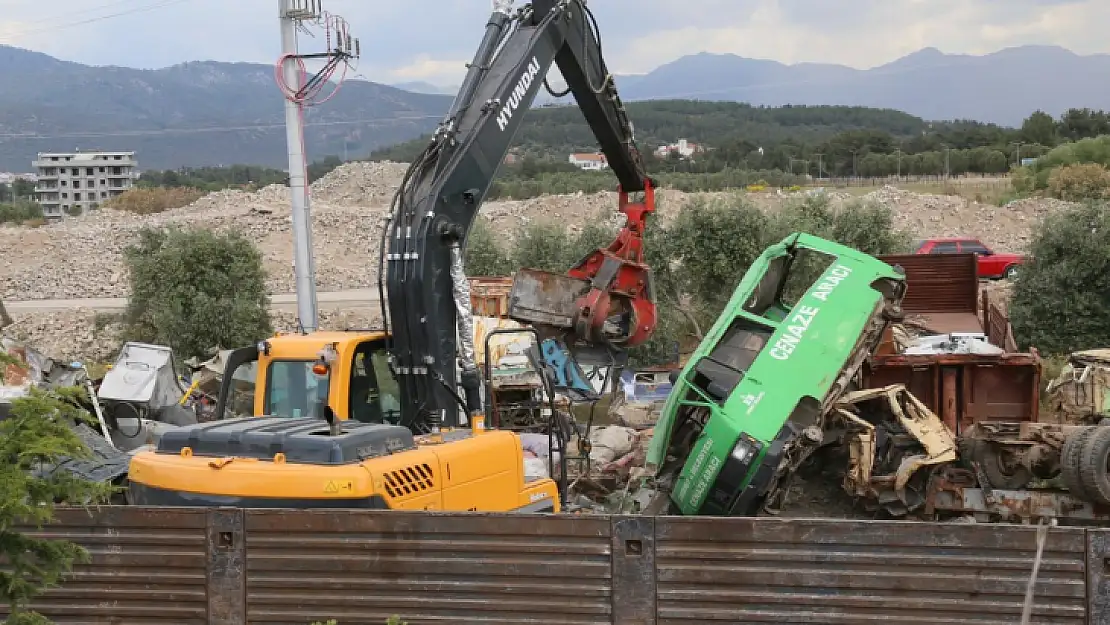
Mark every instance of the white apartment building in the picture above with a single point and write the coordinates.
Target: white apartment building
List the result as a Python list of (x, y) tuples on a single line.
[(70, 183), (592, 162)]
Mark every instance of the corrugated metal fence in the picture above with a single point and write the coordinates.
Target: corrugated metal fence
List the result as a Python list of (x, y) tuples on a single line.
[(232, 567)]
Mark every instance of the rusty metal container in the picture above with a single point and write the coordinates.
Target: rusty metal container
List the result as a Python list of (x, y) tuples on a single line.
[(942, 294), (489, 295), (941, 289), (965, 388)]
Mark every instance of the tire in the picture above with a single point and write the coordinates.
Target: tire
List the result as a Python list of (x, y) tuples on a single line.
[(1069, 462), (1093, 470), (1000, 476), (1010, 272)]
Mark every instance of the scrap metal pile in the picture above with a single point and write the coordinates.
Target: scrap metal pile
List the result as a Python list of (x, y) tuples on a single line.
[(133, 403)]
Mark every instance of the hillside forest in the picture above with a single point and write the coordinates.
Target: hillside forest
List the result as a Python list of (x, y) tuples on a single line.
[(745, 144)]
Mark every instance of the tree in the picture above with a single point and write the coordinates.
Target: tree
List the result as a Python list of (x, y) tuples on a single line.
[(1039, 128), (195, 290), (485, 253), (1075, 183), (23, 189), (1061, 300), (39, 432)]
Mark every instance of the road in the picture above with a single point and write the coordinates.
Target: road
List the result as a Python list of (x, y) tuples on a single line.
[(355, 298)]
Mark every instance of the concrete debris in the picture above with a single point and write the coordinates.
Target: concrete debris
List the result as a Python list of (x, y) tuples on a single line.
[(80, 334), (82, 258), (1007, 228), (639, 415), (331, 319), (89, 336)]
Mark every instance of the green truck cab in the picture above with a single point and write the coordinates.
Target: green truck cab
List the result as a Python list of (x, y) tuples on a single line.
[(749, 405)]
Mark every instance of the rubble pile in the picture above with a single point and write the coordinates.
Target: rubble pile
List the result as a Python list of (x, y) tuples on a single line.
[(334, 319), (82, 258), (87, 335), (80, 334), (1008, 228), (360, 183)]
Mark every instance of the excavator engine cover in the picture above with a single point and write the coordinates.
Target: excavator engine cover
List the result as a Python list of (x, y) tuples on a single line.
[(304, 441), (267, 462)]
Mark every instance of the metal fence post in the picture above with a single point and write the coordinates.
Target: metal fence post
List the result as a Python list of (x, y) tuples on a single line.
[(226, 570), (1098, 576), (633, 577)]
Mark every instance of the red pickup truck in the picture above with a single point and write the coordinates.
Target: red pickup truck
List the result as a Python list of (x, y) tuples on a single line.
[(991, 264)]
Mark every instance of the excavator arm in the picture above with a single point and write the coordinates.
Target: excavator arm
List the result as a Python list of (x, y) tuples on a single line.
[(606, 299)]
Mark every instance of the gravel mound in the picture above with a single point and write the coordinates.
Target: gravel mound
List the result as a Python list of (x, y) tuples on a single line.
[(86, 335), (82, 258)]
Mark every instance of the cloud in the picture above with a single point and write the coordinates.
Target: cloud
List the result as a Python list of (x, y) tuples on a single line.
[(423, 67), (431, 40)]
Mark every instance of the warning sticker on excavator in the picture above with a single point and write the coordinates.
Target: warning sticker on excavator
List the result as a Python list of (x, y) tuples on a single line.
[(333, 487)]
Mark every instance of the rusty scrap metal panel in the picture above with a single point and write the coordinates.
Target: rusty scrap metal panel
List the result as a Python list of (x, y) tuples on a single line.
[(544, 298), (796, 570), (1006, 391), (998, 328), (987, 388), (489, 296), (147, 566), (939, 283), (361, 567)]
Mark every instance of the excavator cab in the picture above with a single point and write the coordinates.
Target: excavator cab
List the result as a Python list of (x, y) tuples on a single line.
[(296, 376)]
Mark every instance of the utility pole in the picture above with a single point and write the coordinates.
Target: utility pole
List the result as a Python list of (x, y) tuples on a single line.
[(299, 94)]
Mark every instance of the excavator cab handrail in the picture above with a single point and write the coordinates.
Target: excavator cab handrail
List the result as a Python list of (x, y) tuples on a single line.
[(553, 429)]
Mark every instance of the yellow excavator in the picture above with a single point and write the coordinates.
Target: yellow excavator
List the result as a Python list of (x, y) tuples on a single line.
[(393, 419)]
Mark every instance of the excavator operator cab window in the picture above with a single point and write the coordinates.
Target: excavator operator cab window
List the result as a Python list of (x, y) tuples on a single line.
[(293, 390), (374, 390)]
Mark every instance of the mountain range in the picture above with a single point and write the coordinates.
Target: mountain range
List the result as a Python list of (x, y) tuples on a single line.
[(192, 114), (212, 113), (1002, 88)]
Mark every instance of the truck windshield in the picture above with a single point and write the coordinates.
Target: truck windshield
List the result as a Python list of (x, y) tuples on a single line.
[(293, 390)]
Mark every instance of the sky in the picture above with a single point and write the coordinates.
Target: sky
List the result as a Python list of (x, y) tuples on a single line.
[(431, 40)]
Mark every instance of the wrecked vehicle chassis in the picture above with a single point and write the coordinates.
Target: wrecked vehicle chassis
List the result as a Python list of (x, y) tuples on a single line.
[(905, 461)]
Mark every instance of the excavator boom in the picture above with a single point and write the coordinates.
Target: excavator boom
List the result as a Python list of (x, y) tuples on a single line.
[(606, 299)]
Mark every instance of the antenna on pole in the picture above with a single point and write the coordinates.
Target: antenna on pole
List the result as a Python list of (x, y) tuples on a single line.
[(301, 92)]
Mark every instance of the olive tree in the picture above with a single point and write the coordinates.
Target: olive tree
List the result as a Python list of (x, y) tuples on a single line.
[(1061, 300), (194, 290)]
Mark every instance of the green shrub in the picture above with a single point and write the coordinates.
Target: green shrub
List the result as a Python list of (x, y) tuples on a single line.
[(152, 200), (194, 290), (38, 432), (1076, 183), (486, 255), (20, 212), (1061, 299)]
